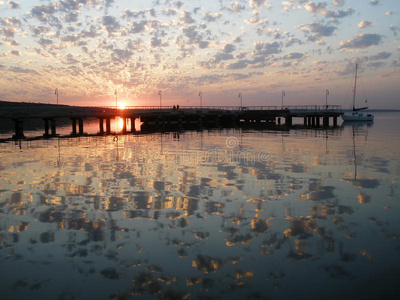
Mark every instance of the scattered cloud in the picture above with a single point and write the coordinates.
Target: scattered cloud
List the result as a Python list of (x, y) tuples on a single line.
[(394, 29), (338, 2), (45, 42), (381, 55), (364, 24), (22, 70), (258, 3), (319, 8), (266, 48), (322, 8), (15, 53), (235, 7), (13, 4), (187, 18), (111, 24), (133, 14), (376, 65), (138, 27), (294, 55), (43, 12), (212, 17), (315, 32), (340, 14), (229, 48), (121, 55), (7, 32), (363, 40)]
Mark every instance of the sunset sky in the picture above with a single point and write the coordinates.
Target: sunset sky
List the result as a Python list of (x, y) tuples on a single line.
[(88, 49)]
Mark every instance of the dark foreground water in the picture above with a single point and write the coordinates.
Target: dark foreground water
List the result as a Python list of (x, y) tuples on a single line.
[(222, 214)]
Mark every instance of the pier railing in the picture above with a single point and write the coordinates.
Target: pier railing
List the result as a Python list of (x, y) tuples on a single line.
[(299, 108), (316, 108), (69, 111), (295, 108)]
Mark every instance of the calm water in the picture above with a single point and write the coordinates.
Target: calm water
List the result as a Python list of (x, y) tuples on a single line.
[(233, 214)]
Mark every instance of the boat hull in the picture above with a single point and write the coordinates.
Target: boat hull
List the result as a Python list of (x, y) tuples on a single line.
[(358, 118)]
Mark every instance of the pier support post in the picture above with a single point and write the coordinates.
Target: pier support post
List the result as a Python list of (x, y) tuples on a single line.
[(101, 125), (288, 121), (19, 129), (73, 126), (108, 125), (334, 121), (123, 124), (80, 126), (326, 121), (313, 121), (53, 127), (133, 128), (317, 121), (46, 127)]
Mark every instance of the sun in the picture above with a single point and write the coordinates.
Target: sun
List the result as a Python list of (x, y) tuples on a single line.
[(121, 106)]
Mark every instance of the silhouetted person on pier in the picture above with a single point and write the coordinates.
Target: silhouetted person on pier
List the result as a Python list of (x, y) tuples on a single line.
[(177, 107), (174, 108)]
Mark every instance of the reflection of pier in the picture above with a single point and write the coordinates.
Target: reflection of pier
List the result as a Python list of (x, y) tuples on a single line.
[(167, 118)]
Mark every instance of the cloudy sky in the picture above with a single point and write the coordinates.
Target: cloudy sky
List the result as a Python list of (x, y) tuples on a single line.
[(87, 49)]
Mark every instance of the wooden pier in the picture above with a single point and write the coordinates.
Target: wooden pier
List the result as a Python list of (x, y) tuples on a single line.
[(170, 118)]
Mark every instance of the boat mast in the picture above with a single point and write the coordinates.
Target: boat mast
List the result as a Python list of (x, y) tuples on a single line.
[(355, 86)]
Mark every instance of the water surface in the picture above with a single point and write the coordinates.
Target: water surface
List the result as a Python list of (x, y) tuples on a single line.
[(230, 213)]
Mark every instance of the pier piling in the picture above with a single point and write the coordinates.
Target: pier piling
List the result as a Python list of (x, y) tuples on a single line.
[(52, 127), (80, 126), (19, 129)]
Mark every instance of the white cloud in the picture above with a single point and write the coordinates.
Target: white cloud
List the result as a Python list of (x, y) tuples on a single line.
[(45, 42), (212, 17), (138, 27), (170, 12), (43, 12), (316, 8), (363, 40), (394, 29), (133, 14), (316, 31), (364, 24), (321, 8), (235, 7), (258, 3), (338, 2), (111, 24), (321, 30), (13, 4), (187, 18), (229, 48), (340, 14), (294, 55)]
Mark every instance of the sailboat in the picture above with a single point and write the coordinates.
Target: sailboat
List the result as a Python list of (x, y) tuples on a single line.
[(356, 115)]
